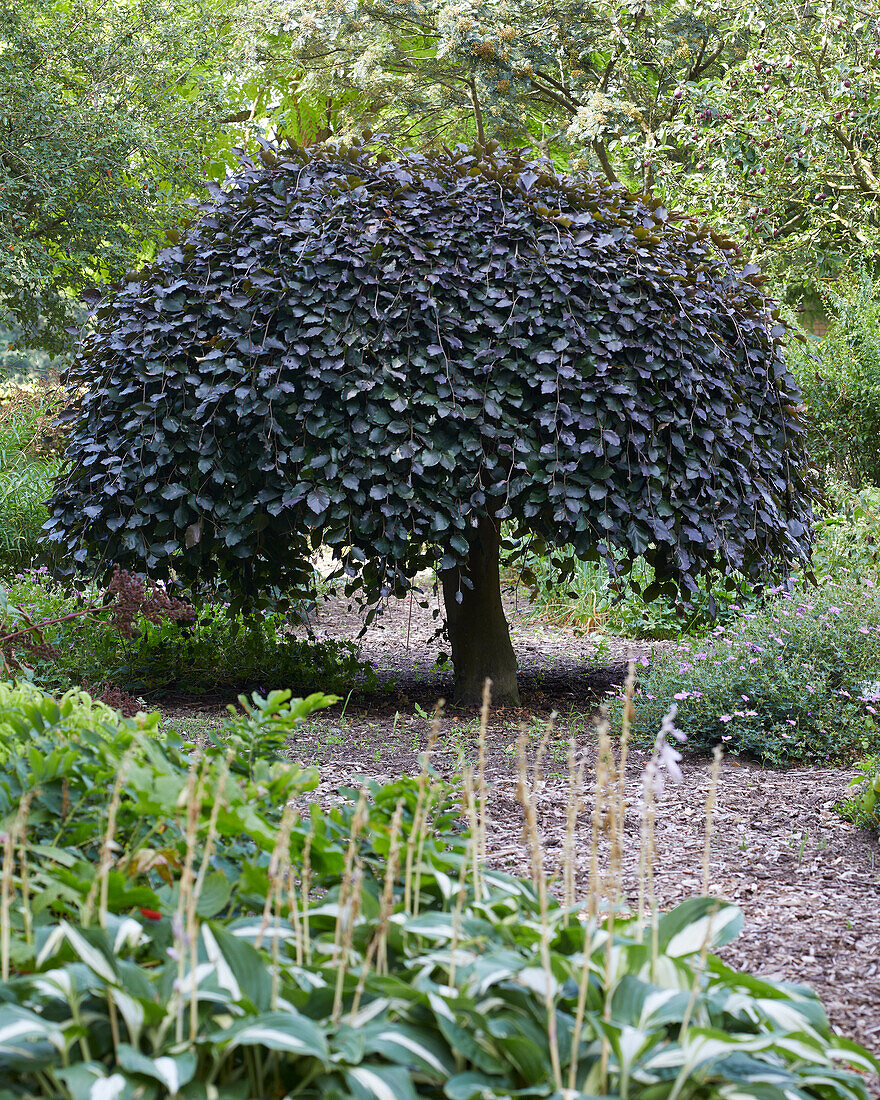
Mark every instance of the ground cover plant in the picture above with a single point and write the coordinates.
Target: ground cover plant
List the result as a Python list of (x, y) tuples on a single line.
[(388, 399), (792, 682), (863, 806), (364, 952), (139, 638)]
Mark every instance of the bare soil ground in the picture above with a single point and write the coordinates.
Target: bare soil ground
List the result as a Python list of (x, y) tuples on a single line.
[(809, 883)]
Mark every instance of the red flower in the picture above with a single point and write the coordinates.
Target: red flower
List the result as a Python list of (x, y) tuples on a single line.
[(151, 914)]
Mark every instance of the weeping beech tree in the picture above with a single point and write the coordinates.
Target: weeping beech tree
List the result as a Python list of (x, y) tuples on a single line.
[(407, 358)]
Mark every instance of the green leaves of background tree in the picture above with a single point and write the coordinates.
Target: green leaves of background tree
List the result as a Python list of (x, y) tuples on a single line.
[(112, 116), (763, 115)]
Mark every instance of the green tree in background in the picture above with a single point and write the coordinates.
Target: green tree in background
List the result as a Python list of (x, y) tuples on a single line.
[(763, 115), (785, 144), (112, 115)]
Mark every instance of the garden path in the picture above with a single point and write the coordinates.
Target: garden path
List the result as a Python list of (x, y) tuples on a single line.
[(809, 883)]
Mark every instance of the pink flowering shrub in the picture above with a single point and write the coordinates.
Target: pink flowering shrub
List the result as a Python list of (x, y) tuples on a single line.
[(797, 681)]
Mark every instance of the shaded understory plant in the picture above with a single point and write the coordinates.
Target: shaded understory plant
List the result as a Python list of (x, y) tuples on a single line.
[(862, 807), (144, 641), (847, 538), (29, 443), (590, 599), (840, 379), (191, 931)]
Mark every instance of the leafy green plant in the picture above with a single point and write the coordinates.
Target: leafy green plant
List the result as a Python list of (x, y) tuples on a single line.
[(72, 638), (786, 684), (840, 379), (222, 649), (863, 805), (366, 953), (591, 599), (61, 754), (391, 384), (28, 467)]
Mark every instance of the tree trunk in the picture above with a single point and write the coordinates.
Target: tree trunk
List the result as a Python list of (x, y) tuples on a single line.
[(478, 632)]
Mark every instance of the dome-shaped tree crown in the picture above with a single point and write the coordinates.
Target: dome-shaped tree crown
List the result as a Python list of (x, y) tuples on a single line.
[(373, 351)]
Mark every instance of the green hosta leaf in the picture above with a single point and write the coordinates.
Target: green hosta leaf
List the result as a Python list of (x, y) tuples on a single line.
[(696, 923), (240, 968), (639, 1004), (477, 1086), (410, 1046), (380, 1083), (90, 1081), (20, 1029), (91, 946), (171, 1072), (282, 1031)]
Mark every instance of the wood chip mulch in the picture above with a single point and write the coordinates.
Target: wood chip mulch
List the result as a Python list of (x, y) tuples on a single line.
[(808, 882)]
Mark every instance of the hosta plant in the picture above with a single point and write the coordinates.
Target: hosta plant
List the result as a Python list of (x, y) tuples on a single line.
[(372, 956), (380, 1004)]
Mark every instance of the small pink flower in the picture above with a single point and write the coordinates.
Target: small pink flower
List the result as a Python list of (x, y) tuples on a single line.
[(864, 630), (682, 695), (725, 717), (726, 736), (744, 698), (834, 610)]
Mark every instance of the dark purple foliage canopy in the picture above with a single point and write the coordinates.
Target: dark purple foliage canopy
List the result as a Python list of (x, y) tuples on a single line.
[(369, 351)]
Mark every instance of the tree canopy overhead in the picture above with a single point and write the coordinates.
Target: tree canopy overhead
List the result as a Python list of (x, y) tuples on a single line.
[(764, 115), (393, 356)]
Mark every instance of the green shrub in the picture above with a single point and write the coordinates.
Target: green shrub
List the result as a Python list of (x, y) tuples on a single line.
[(785, 684), (67, 755), (588, 598), (840, 379), (216, 649), (863, 805), (848, 534), (28, 467), (359, 954)]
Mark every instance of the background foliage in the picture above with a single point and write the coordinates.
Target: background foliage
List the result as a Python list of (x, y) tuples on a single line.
[(762, 115), (840, 379), (78, 642)]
